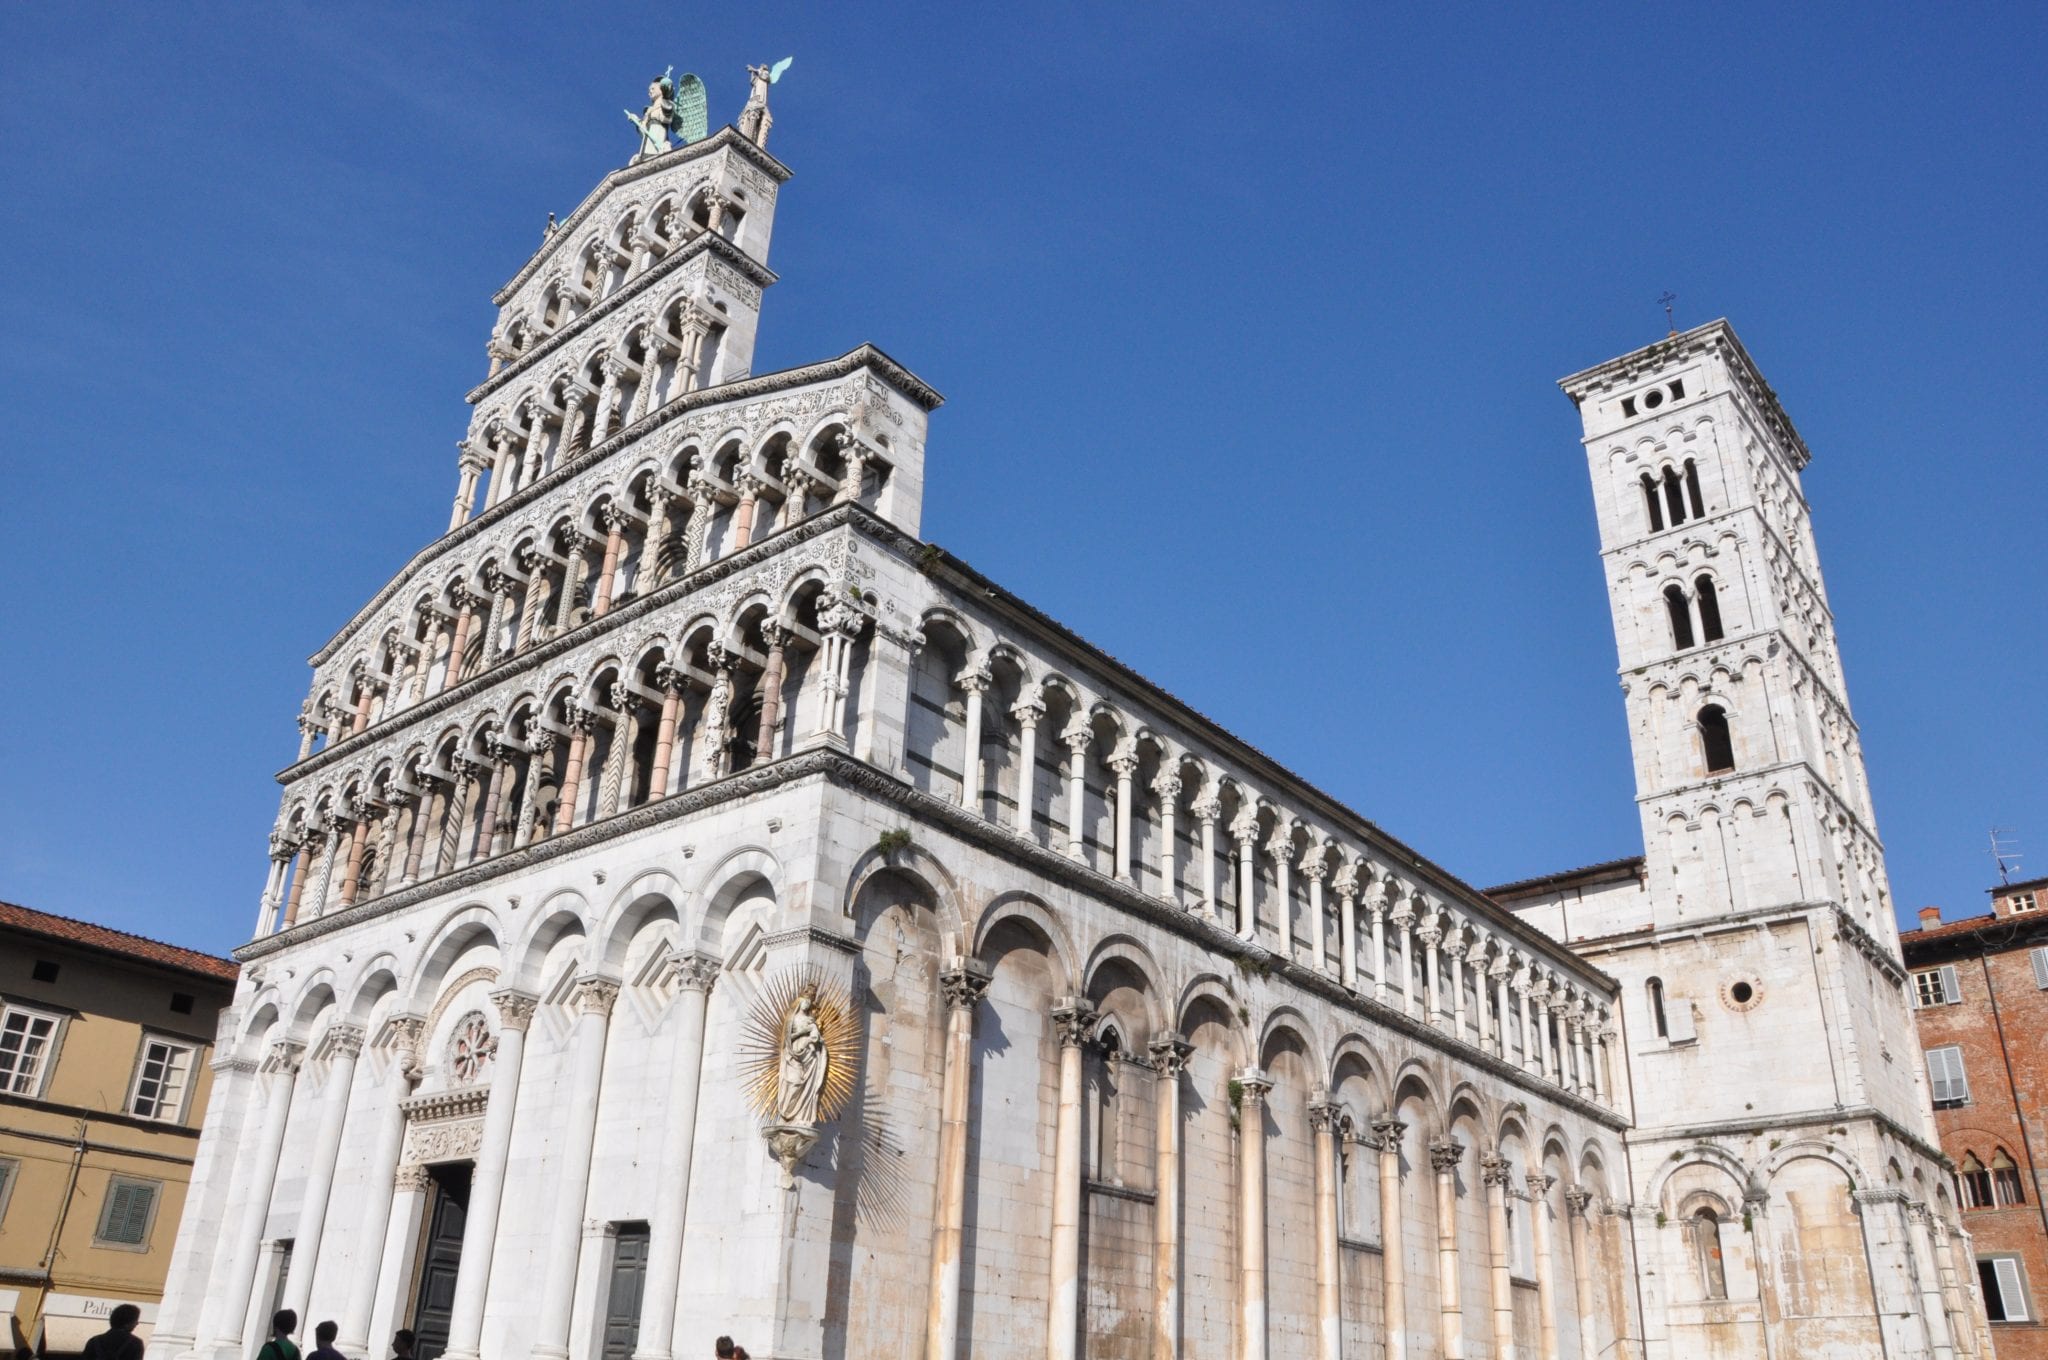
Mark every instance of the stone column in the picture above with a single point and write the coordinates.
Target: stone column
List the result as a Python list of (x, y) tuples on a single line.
[(711, 723), (330, 851), (964, 986), (593, 998), (695, 974), (1498, 1176), (238, 1283), (671, 682), (1454, 949), (852, 486), (580, 725), (608, 397), (1077, 737), (749, 488), (1169, 1061), (1521, 985), (1432, 935), (1410, 1002), (1502, 966), (1071, 1018), (1124, 763), (1539, 1011), (417, 833), (1207, 809), (1347, 926), (375, 1195), (1027, 712), (1546, 1281), (487, 1181), (1577, 1203), (697, 528), (1444, 1156), (1376, 902), (273, 879), (392, 1273), (458, 646), (469, 469), (1281, 848), (1322, 1118), (1601, 1038), (1244, 833), (575, 548), (1315, 868), (1166, 787), (1252, 1085), (615, 521), (973, 683), (772, 675), (1933, 1310), (497, 775), (1393, 1270), (341, 1047)]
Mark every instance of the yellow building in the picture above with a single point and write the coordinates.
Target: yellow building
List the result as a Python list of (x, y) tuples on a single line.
[(104, 1039)]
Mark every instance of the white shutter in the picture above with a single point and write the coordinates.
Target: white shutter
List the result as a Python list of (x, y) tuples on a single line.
[(1950, 992), (1945, 1074), (2009, 1291), (2040, 957)]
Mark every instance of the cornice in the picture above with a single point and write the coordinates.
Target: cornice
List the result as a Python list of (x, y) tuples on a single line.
[(1715, 336), (857, 776), (460, 1102), (704, 242), (865, 357), (536, 657), (727, 137)]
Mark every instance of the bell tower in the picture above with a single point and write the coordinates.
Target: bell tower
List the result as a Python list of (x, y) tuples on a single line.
[(1749, 771)]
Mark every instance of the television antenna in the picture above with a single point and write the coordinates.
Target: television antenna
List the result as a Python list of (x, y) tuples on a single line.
[(2003, 854)]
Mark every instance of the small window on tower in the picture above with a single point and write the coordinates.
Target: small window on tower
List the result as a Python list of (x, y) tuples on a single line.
[(1674, 496), (1692, 489), (1654, 988), (1715, 742), (1650, 499), (1678, 389), (1681, 617), (1710, 609)]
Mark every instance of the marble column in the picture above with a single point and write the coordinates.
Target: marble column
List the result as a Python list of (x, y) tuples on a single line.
[(1501, 968), (1315, 868), (1498, 1175), (1253, 1086), (1170, 1062), (1244, 833), (772, 676), (1528, 1035), (1124, 764), (743, 514), (615, 520), (1546, 1280), (1454, 950), (973, 683), (1347, 926), (1071, 1018), (376, 1194), (1027, 712), (1933, 1309), (696, 974), (592, 998), (1444, 1155), (1577, 1204), (1377, 902), (487, 1180), (1078, 738), (1166, 787), (238, 1283), (341, 1047), (1432, 935), (1393, 1269), (1323, 1116), (1281, 848), (580, 725), (497, 774), (964, 986), (1206, 811), (1410, 1002), (670, 681)]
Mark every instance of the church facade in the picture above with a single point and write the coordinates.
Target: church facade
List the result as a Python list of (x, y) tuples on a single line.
[(701, 907)]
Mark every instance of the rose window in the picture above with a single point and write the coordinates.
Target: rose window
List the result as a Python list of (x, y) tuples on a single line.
[(471, 1048)]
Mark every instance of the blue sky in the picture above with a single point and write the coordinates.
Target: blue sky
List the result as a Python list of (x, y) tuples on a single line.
[(1249, 332)]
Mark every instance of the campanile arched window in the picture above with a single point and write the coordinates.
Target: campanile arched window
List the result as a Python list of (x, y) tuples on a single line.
[(1710, 609), (1650, 501), (1692, 489), (1654, 988), (1716, 745), (1704, 1227), (1674, 496), (1681, 616)]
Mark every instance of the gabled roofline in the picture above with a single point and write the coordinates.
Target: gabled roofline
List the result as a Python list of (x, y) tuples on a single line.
[(864, 356), (727, 136)]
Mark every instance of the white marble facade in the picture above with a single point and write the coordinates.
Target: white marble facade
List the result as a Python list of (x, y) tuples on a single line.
[(1160, 1051)]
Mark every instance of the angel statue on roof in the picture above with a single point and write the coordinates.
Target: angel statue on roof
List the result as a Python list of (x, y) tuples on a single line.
[(755, 120), (673, 106)]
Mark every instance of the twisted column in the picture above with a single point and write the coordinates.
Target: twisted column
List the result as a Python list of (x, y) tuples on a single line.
[(963, 986)]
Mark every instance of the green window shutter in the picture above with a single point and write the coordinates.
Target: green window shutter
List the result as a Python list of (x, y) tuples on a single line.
[(125, 1220)]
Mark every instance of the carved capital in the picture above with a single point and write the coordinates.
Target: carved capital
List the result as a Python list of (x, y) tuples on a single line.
[(413, 1180), (1445, 1154), (1166, 784), (1496, 1170), (594, 996), (1170, 1053), (1578, 1201), (694, 971), (1314, 867), (284, 1056), (1072, 1018), (1387, 1131), (342, 1041), (515, 1008), (1252, 1088), (1324, 1115), (1539, 1184), (1028, 712), (964, 985)]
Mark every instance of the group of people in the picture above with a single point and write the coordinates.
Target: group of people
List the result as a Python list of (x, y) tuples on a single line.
[(119, 1341)]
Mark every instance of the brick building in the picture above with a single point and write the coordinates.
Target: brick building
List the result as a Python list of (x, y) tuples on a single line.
[(1980, 989)]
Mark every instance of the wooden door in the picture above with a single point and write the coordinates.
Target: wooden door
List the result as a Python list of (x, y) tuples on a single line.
[(622, 1299)]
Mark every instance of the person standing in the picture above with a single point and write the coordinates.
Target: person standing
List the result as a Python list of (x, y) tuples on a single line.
[(282, 1324), (323, 1341), (119, 1341), (402, 1342)]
